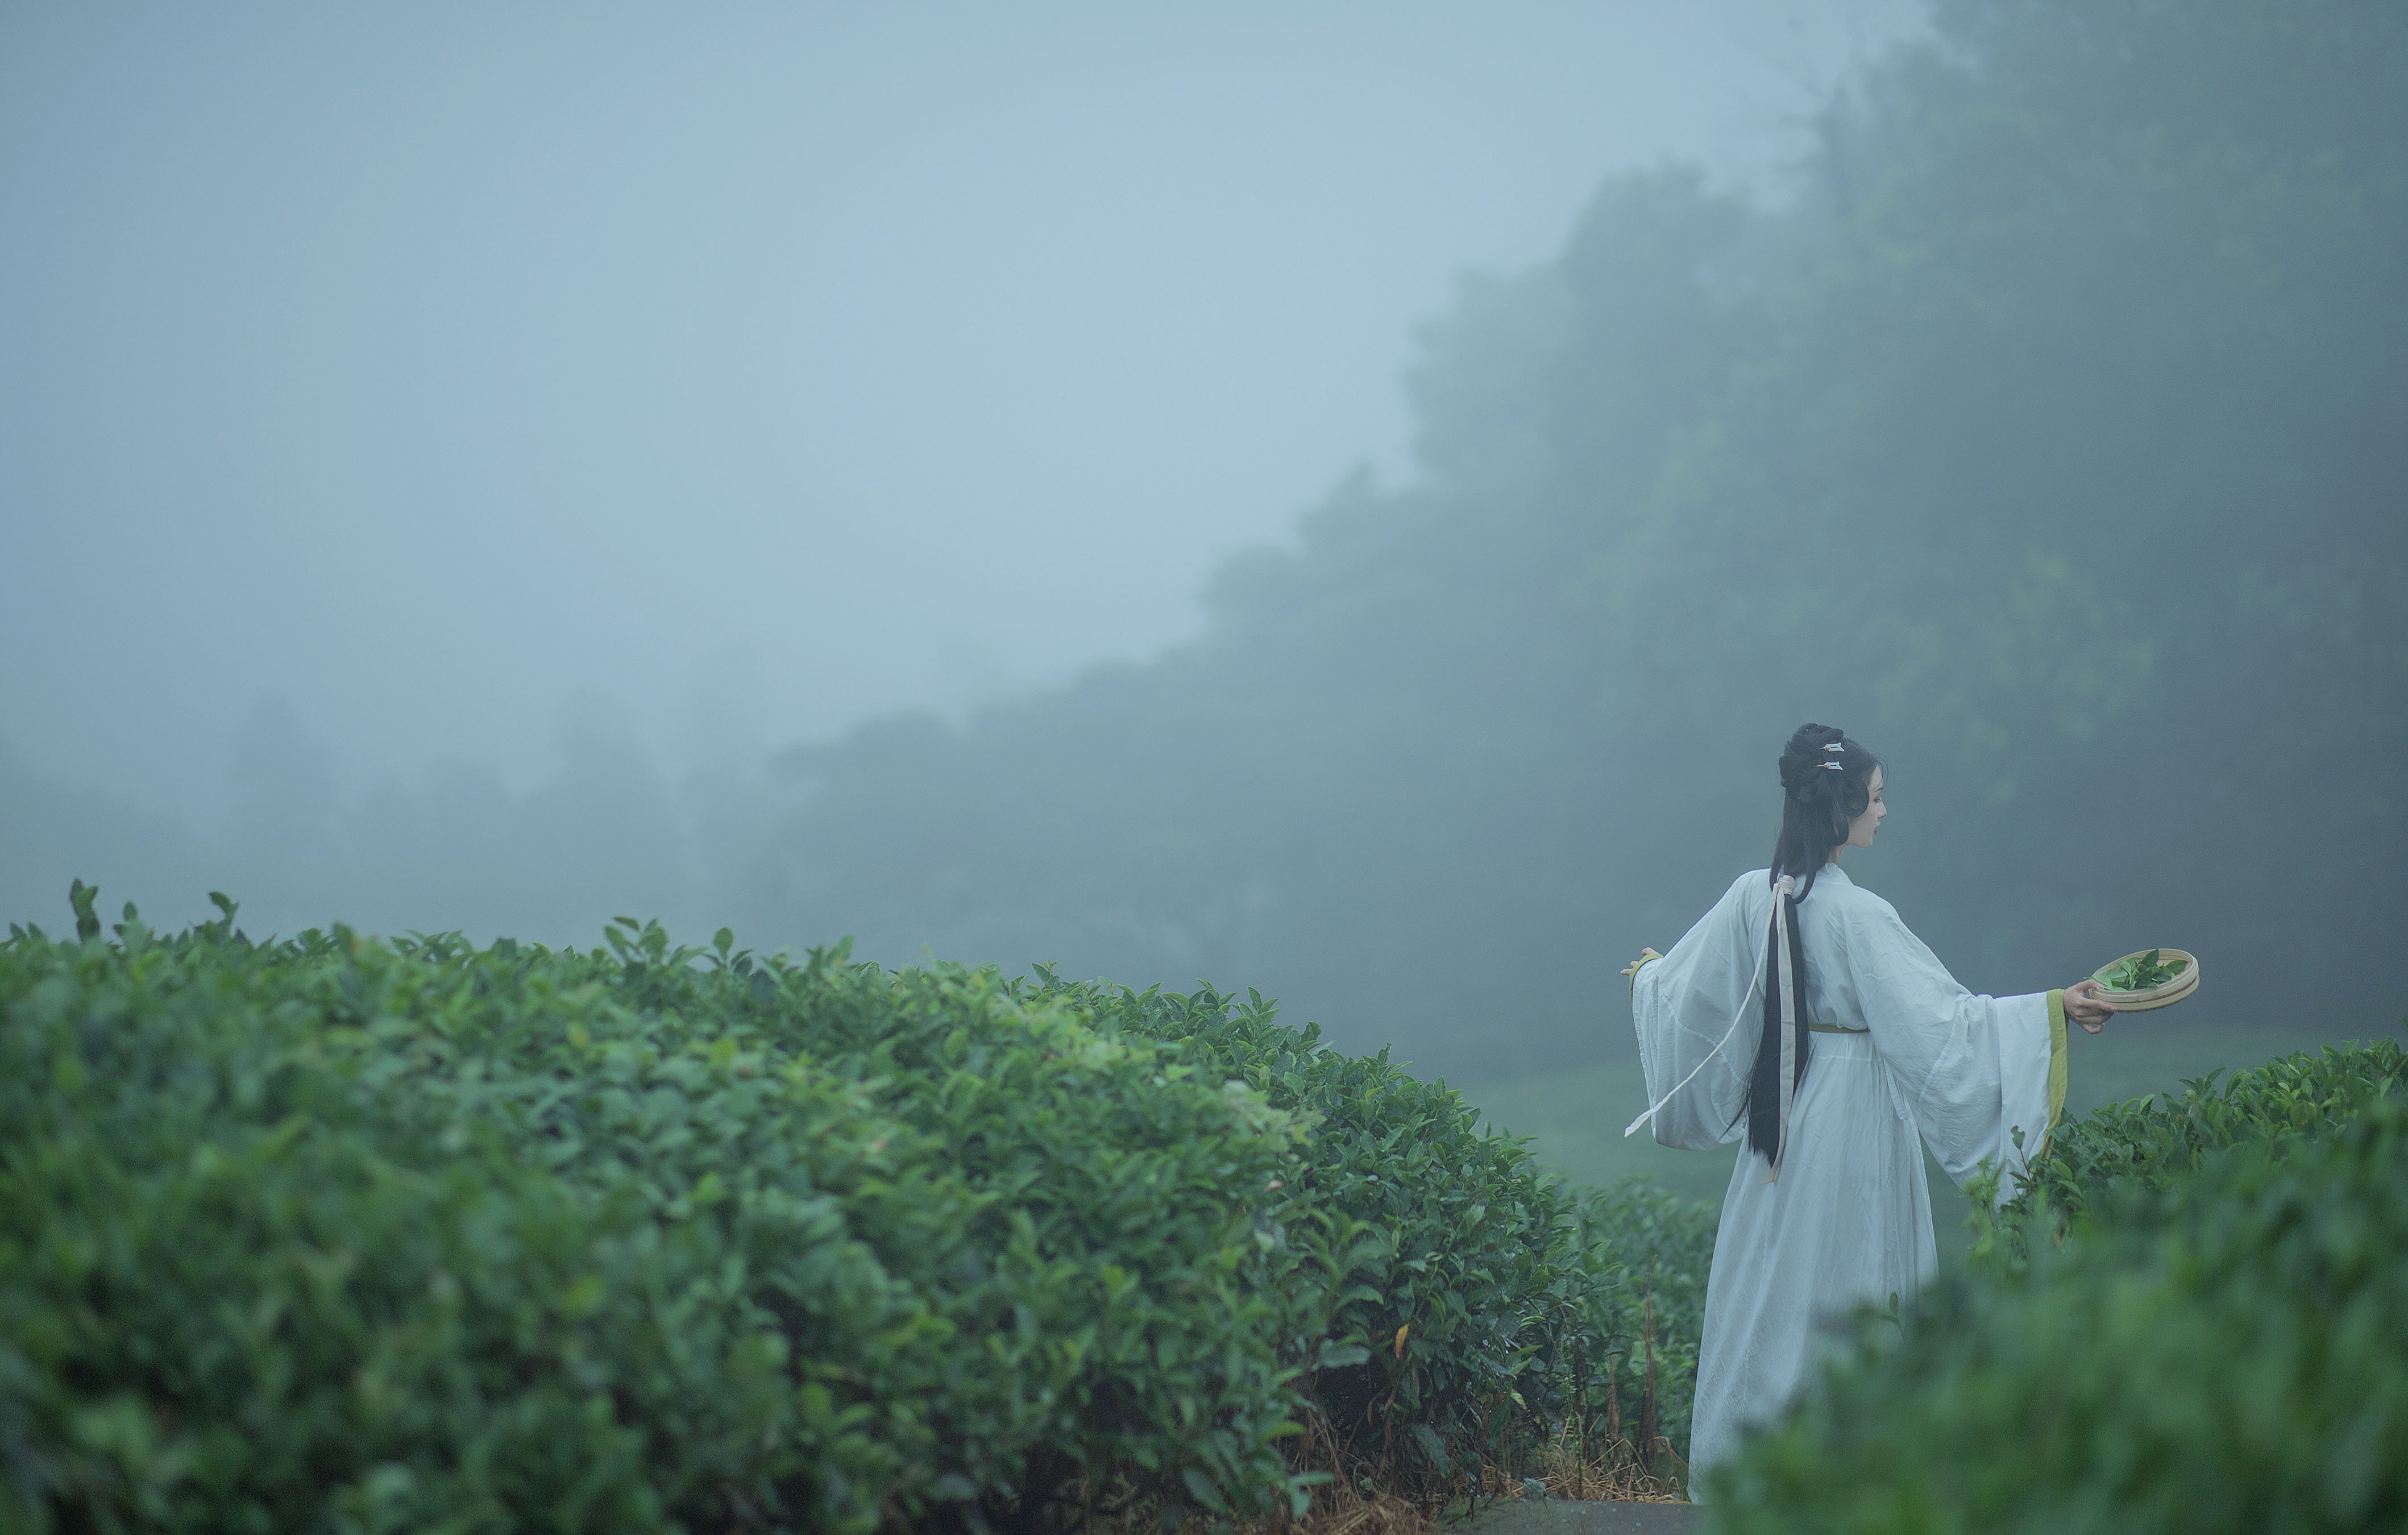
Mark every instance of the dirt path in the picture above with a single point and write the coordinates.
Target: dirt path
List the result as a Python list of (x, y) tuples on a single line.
[(1552, 1516)]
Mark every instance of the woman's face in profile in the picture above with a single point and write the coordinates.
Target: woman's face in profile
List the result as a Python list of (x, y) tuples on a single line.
[(1861, 830)]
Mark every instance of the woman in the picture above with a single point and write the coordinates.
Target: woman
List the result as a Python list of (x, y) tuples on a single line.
[(1832, 1051)]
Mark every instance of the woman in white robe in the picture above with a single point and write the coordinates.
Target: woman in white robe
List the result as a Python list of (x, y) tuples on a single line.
[(1827, 1207)]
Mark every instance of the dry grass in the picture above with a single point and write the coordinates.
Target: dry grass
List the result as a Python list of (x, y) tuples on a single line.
[(1603, 1469), (1335, 1510), (1352, 1512), (1612, 1470)]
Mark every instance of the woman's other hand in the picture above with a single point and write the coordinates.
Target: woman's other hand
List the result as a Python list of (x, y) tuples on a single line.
[(1644, 956), (2085, 1006)]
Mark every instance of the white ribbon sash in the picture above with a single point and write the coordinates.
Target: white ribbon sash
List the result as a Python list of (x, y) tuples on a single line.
[(1782, 891)]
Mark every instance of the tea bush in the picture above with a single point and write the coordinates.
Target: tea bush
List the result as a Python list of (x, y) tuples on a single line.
[(239, 1290), (1451, 1301), (400, 1235), (370, 1235), (2217, 1353), (1107, 1324), (1657, 1314), (2154, 1142)]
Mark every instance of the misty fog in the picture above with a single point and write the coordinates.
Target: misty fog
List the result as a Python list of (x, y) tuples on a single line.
[(1342, 499), (453, 373)]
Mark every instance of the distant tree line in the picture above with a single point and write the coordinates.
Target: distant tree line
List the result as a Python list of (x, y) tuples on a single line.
[(2054, 440)]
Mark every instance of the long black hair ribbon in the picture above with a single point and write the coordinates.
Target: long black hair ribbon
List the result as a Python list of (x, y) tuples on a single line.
[(1793, 966), (1782, 1045)]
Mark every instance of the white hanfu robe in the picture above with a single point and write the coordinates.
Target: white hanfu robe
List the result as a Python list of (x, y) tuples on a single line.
[(1849, 1220)]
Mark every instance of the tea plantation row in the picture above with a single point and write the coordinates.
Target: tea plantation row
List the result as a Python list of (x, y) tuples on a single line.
[(2194, 1318), (345, 1234)]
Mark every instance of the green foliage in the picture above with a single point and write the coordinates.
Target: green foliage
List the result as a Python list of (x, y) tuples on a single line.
[(1451, 1301), (1657, 1313), (231, 1298), (2216, 1353), (1101, 1321), (390, 1235), (2153, 1144), (363, 1235)]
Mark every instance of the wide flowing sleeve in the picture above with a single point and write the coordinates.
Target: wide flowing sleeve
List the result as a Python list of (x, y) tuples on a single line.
[(1683, 1006), (1984, 1076)]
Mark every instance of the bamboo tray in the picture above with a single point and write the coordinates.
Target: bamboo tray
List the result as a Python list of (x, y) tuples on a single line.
[(2163, 995)]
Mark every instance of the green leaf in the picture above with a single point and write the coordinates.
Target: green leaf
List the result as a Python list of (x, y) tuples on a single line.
[(1202, 1488), (584, 1298)]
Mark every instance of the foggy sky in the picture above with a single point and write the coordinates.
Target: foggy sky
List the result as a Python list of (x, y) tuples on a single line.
[(446, 370)]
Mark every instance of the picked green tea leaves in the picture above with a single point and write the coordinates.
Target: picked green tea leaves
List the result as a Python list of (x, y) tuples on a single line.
[(2140, 972)]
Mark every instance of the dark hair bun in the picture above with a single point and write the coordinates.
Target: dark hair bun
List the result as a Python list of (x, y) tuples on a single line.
[(1806, 762)]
